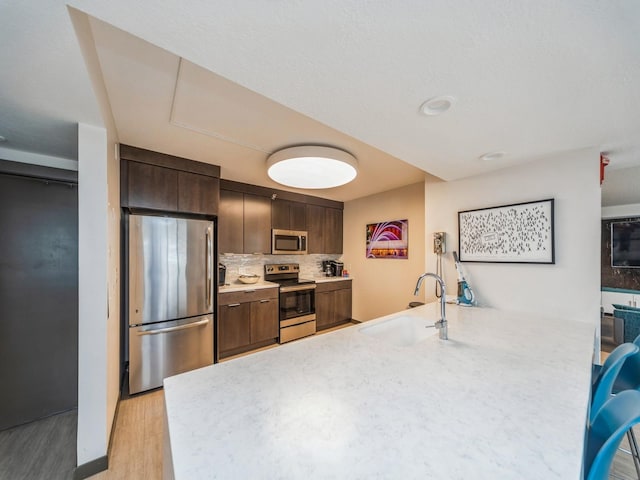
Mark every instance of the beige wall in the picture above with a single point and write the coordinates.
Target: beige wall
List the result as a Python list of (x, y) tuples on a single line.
[(384, 286)]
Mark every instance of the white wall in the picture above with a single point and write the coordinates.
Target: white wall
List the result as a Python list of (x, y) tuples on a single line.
[(38, 159), (99, 291), (571, 287), (99, 205), (92, 295), (621, 211), (383, 286)]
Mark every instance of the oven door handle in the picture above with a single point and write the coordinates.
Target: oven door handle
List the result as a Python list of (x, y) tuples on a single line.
[(297, 288)]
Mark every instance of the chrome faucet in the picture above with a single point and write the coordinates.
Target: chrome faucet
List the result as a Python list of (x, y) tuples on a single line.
[(441, 324)]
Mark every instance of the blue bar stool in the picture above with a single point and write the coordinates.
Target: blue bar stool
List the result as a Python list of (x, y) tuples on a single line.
[(614, 418), (620, 372), (603, 382)]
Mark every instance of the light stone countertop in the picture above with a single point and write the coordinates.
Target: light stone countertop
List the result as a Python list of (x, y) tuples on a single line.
[(330, 279), (241, 287), (238, 286), (505, 398)]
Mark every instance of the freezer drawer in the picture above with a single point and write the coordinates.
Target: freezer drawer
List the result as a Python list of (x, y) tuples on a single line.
[(164, 349)]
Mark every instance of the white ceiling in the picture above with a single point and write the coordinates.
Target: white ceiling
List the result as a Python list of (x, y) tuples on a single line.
[(162, 102), (530, 79)]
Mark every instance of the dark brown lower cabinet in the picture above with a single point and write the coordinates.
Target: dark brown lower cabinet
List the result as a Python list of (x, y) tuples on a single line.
[(234, 326), (333, 303), (247, 320), (264, 320)]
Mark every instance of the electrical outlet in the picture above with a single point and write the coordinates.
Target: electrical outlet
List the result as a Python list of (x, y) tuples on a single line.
[(438, 242)]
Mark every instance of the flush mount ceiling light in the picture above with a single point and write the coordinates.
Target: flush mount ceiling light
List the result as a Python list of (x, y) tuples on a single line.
[(487, 157), (437, 105), (312, 167)]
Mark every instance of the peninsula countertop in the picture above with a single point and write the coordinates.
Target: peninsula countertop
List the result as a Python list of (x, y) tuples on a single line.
[(505, 397)]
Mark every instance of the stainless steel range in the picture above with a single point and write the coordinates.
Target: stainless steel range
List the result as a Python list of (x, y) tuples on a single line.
[(297, 301)]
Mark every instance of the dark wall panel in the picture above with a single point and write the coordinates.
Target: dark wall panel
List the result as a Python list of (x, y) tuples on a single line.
[(38, 298)]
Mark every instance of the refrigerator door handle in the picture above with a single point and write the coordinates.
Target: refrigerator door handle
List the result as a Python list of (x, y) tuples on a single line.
[(208, 268), (173, 329)]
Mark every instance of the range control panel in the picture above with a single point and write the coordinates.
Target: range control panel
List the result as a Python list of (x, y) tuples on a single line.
[(281, 268)]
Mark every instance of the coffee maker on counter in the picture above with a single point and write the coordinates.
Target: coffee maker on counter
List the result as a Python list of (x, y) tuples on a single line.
[(336, 268), (326, 268), (332, 268)]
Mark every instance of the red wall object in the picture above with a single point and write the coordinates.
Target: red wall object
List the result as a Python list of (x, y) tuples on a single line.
[(604, 161)]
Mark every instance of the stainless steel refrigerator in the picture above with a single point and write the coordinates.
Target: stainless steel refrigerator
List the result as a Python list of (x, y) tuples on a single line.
[(171, 298)]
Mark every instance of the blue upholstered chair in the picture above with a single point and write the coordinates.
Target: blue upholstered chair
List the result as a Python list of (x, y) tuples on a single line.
[(615, 418)]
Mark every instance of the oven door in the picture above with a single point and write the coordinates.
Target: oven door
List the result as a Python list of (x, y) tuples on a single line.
[(297, 301)]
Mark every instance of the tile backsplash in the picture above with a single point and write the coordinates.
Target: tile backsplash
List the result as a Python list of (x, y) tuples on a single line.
[(239, 264)]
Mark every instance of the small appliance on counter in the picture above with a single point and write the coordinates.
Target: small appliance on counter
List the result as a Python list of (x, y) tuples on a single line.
[(466, 298), (222, 274), (336, 268), (326, 268)]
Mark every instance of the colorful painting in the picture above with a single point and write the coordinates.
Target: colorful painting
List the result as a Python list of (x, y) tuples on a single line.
[(519, 233), (388, 239)]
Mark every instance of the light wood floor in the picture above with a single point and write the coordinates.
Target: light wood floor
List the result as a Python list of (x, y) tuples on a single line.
[(622, 467), (136, 448)]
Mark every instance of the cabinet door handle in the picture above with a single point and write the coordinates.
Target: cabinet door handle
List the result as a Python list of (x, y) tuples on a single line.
[(265, 301), (231, 305), (249, 291)]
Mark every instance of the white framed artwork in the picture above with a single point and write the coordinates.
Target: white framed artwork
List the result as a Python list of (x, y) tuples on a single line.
[(517, 233)]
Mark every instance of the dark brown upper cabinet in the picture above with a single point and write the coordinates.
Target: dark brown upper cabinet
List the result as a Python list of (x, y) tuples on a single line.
[(257, 224), (157, 181), (231, 222), (315, 229), (333, 230), (153, 187), (244, 223), (324, 227), (288, 215), (198, 193), (249, 212)]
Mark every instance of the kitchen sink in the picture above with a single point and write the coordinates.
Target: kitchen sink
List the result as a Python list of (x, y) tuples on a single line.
[(403, 330)]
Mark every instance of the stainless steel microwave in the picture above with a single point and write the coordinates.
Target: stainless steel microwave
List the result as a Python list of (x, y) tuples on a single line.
[(288, 242)]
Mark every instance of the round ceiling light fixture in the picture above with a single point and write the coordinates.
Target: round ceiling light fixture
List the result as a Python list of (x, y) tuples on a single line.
[(488, 157), (312, 167), (437, 105)]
